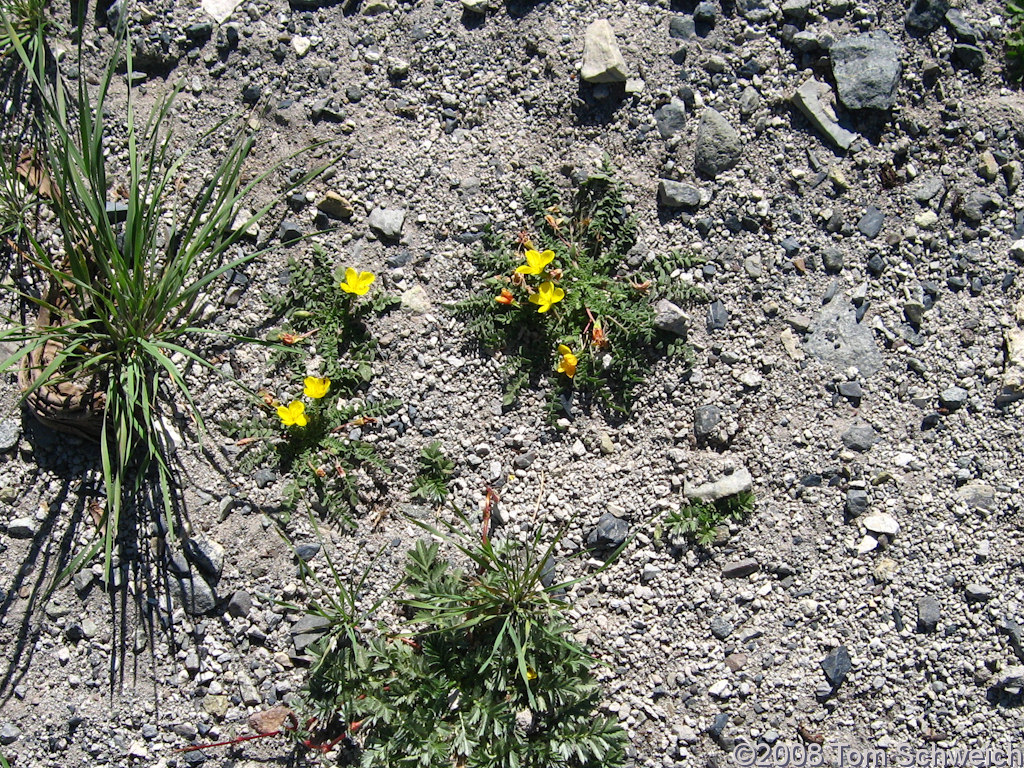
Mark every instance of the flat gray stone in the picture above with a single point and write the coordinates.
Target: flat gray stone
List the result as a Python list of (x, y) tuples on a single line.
[(706, 420), (240, 604), (676, 194), (929, 612), (718, 144), (860, 438), (194, 595), (867, 70), (738, 482), (670, 118), (670, 318), (10, 432), (602, 59), (220, 10), (837, 666), (207, 555), (839, 340), (387, 223), (925, 16), (308, 630), (814, 100), (609, 533), (857, 502), (740, 568), (721, 627), (882, 523), (870, 223), (22, 528), (976, 592), (953, 398), (9, 733)]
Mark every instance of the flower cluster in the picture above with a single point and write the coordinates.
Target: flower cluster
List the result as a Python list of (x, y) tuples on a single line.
[(294, 414), (545, 295)]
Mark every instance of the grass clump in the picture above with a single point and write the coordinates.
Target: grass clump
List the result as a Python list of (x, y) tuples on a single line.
[(434, 469), (488, 676), (324, 317), (698, 521), (119, 303), (564, 301)]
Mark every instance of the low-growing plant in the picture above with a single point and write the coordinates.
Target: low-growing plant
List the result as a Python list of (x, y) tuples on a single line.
[(119, 303), (434, 469), (1014, 39), (488, 675), (314, 446), (699, 520), (564, 300), (328, 312), (326, 316)]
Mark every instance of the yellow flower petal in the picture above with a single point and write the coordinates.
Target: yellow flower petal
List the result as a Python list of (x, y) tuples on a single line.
[(546, 295), (535, 262), (315, 388), (568, 361), (293, 414), (357, 282)]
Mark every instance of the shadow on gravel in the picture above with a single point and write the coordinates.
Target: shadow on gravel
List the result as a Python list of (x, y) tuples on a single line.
[(596, 105), (518, 9), (139, 588), (45, 556)]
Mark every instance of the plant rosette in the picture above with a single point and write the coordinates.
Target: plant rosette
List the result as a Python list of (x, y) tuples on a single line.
[(563, 302)]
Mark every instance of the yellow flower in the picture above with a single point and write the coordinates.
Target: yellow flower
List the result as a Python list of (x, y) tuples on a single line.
[(546, 295), (357, 282), (568, 361), (535, 262), (315, 388), (531, 673), (293, 414)]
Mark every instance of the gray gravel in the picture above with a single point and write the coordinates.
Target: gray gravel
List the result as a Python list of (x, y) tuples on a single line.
[(861, 366)]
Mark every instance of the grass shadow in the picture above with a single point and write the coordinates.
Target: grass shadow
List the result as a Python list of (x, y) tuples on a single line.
[(139, 589)]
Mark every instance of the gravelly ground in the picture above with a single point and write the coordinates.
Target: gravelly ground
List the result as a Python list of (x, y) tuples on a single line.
[(485, 98)]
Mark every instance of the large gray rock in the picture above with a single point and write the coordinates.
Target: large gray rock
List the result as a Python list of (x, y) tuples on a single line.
[(194, 595), (670, 118), (867, 70), (207, 555), (925, 16), (10, 431), (602, 59), (386, 223), (22, 528), (670, 318), (837, 666), (610, 533), (308, 630), (839, 340), (815, 99), (718, 144), (676, 194)]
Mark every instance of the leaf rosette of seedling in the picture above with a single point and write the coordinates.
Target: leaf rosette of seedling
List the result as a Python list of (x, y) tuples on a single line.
[(316, 438), (699, 521), (562, 300)]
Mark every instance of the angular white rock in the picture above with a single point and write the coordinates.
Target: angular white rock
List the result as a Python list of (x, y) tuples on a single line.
[(602, 59), (882, 523), (220, 10), (738, 482)]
